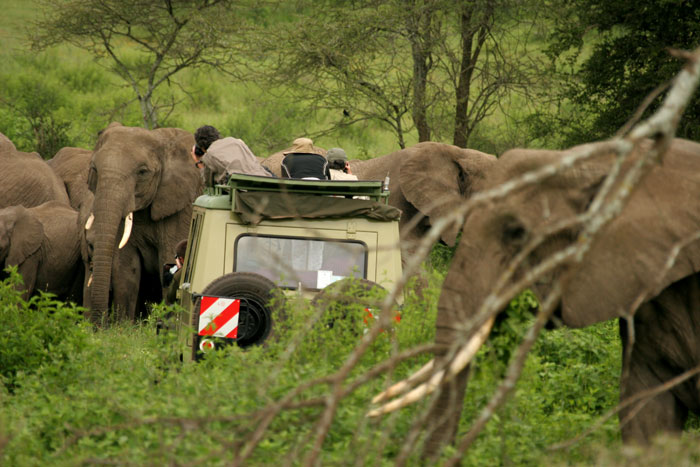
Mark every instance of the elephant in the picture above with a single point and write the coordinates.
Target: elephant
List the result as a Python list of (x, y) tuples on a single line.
[(424, 181), (26, 178), (44, 243), (71, 165), (626, 274), (144, 184)]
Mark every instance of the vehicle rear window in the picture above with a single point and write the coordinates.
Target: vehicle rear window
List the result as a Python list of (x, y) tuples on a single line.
[(288, 261)]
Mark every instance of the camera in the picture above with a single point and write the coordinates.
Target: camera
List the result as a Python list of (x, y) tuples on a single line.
[(198, 151)]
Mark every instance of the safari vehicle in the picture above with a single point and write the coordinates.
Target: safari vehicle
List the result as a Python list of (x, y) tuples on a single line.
[(258, 237)]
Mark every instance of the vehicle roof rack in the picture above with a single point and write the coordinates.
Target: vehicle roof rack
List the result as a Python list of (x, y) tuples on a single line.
[(347, 188)]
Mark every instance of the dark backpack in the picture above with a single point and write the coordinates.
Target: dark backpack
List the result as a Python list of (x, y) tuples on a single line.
[(305, 165)]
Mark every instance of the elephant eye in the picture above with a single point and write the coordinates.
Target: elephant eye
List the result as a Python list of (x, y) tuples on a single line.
[(514, 232), (143, 171)]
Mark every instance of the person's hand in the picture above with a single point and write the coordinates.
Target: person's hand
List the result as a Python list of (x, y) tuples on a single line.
[(197, 160)]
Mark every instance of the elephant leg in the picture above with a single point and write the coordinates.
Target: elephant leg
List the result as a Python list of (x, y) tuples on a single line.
[(125, 283), (445, 414), (651, 364), (663, 413), (28, 270)]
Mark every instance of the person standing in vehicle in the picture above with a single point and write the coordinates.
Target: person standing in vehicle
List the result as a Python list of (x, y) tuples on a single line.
[(339, 165), (219, 157)]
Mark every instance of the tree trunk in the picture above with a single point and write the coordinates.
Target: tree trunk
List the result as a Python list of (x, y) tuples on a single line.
[(468, 30), (148, 113), (419, 25)]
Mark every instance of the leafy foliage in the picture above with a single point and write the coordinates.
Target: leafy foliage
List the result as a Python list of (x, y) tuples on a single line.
[(624, 60), (419, 67), (118, 395), (36, 333)]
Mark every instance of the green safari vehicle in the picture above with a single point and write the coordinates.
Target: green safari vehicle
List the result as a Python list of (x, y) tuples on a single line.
[(257, 237)]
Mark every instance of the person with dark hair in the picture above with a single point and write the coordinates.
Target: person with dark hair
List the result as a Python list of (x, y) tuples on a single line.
[(176, 272), (339, 165), (219, 157)]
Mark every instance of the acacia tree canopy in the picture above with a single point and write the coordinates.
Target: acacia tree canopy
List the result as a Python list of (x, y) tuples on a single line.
[(629, 58), (422, 65), (146, 43)]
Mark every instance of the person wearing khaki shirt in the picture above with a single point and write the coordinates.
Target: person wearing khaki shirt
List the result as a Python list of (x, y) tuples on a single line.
[(219, 157), (339, 165)]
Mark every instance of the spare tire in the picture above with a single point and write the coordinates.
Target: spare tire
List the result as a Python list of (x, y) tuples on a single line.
[(341, 298), (259, 298)]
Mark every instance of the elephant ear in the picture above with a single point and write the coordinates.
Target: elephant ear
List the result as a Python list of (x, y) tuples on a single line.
[(180, 181), (629, 261), (26, 238), (435, 178)]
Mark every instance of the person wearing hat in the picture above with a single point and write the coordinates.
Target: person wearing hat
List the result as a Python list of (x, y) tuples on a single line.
[(304, 162), (339, 165), (219, 157)]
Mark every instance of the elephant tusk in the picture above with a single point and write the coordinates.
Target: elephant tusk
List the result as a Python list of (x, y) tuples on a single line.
[(128, 222), (402, 386), (89, 222), (89, 282), (461, 360)]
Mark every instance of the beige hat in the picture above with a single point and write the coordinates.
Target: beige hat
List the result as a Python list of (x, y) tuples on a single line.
[(305, 145)]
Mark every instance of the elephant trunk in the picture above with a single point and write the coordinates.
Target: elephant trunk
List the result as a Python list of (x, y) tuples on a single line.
[(461, 297), (110, 208)]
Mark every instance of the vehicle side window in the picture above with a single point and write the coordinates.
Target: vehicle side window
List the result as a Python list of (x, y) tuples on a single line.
[(289, 261)]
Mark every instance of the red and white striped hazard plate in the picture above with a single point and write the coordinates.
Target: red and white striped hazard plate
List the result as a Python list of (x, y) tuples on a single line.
[(219, 317)]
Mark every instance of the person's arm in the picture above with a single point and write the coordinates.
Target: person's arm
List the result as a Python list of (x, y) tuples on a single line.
[(197, 161)]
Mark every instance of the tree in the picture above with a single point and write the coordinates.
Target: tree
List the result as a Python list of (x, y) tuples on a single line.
[(146, 43), (34, 105), (405, 63), (628, 59)]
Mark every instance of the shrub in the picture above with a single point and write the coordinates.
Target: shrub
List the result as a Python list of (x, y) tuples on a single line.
[(35, 332)]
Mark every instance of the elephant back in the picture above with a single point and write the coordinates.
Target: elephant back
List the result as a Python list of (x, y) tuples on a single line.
[(27, 180)]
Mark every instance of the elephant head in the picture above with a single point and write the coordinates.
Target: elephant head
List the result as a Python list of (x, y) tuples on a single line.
[(21, 236), (140, 178), (425, 182), (626, 272), (44, 243)]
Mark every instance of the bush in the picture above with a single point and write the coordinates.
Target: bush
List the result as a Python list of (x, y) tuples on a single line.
[(36, 332)]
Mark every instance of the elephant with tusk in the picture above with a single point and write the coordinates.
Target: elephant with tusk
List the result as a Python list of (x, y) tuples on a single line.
[(135, 192), (641, 268)]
